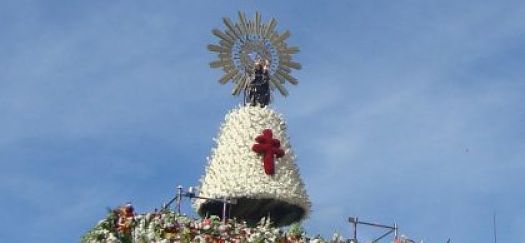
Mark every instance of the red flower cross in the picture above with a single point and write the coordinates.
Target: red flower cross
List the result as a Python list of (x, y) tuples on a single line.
[(268, 147)]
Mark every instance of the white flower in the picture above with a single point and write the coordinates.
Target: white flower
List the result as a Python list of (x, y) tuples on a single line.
[(224, 228), (151, 236), (112, 239)]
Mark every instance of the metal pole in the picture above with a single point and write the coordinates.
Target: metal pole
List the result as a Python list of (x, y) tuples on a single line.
[(355, 228), (377, 225), (224, 204), (179, 198), (494, 221), (382, 236), (396, 230)]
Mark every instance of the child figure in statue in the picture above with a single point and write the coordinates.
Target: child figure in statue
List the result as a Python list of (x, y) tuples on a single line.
[(259, 87)]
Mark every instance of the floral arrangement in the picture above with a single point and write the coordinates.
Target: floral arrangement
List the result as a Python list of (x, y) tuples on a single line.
[(234, 170), (122, 225)]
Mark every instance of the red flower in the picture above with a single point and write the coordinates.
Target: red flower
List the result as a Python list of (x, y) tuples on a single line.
[(270, 148)]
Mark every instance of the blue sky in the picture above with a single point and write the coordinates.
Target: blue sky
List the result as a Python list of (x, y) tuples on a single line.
[(406, 111)]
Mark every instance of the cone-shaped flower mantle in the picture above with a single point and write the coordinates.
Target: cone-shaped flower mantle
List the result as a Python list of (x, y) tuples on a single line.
[(253, 162)]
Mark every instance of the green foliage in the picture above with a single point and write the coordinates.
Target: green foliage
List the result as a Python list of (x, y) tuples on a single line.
[(104, 231), (296, 230)]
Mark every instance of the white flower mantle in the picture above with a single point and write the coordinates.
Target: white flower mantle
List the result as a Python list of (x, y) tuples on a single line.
[(235, 171)]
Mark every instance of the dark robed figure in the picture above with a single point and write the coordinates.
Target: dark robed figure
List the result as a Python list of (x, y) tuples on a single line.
[(259, 87)]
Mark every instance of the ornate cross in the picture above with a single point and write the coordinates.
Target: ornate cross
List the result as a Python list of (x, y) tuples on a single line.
[(268, 147)]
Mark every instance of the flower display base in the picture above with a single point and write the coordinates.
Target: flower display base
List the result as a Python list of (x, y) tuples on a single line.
[(169, 227)]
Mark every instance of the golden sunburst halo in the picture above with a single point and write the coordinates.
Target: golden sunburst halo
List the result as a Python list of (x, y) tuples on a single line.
[(242, 42)]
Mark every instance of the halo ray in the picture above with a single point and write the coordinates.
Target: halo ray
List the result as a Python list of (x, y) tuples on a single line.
[(241, 43)]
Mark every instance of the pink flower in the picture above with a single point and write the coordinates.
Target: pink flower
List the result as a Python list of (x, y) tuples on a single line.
[(206, 222)]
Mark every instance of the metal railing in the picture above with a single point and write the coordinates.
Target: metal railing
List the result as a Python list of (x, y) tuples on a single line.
[(192, 194)]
